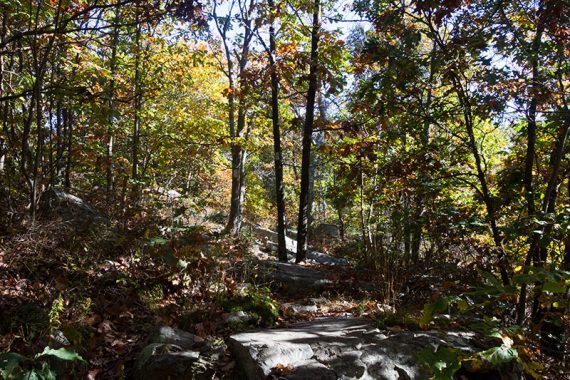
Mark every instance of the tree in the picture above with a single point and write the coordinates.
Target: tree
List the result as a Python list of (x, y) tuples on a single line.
[(272, 14), (302, 225), (237, 128)]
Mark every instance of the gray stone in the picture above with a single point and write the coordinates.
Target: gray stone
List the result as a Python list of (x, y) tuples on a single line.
[(292, 234), (323, 258), (310, 370), (273, 249), (266, 235), (301, 309), (294, 277), (300, 279), (238, 317), (172, 353), (177, 337), (312, 256), (258, 360), (269, 242), (348, 348), (58, 340), (164, 361), (70, 208)]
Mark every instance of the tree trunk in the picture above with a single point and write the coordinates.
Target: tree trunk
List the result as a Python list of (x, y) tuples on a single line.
[(60, 130), (238, 179), (536, 254), (363, 232), (485, 192), (68, 122), (237, 131), (302, 226), (465, 106), (528, 180), (416, 242), (111, 104), (279, 186), (418, 222), (39, 144), (39, 63), (341, 227), (137, 105), (566, 262)]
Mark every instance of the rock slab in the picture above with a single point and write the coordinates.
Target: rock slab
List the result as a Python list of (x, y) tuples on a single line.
[(172, 353), (300, 279), (342, 348), (293, 277)]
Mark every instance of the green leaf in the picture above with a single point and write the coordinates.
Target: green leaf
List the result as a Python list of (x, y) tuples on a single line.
[(29, 375), (525, 279), (430, 309), (444, 362), (43, 373), (157, 241), (554, 287), (492, 291), (499, 355), (10, 361), (489, 327), (46, 373), (61, 353)]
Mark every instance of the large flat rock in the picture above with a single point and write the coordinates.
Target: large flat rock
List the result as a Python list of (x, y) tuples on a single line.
[(293, 277), (341, 348), (296, 279)]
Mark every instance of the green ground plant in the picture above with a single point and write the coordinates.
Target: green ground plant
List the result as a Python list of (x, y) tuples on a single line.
[(14, 366)]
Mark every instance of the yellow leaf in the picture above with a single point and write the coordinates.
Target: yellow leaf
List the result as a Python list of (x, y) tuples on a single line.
[(518, 269)]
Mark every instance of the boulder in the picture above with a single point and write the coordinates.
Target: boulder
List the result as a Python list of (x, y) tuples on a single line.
[(70, 208), (237, 319), (296, 278), (177, 337), (323, 258), (347, 348), (300, 309), (269, 242), (266, 235), (302, 279), (171, 353), (165, 361)]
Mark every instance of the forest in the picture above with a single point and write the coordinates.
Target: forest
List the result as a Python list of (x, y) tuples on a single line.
[(209, 169)]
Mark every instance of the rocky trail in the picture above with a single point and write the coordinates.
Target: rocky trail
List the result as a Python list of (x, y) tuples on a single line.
[(321, 340), (278, 320)]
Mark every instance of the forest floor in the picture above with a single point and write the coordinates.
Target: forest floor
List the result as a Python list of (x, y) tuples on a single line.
[(101, 292)]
